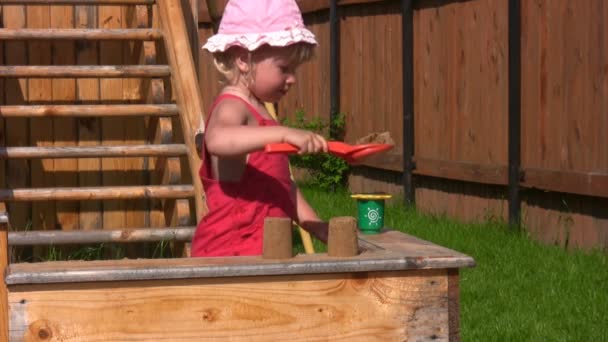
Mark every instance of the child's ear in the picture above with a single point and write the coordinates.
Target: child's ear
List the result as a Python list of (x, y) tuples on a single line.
[(242, 62)]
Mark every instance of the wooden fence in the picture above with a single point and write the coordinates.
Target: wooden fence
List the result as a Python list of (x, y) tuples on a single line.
[(460, 101), (461, 105)]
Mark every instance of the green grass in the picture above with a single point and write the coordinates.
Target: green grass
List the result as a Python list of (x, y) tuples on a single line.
[(520, 290)]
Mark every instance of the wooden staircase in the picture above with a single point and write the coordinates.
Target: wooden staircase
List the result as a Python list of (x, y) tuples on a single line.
[(173, 99)]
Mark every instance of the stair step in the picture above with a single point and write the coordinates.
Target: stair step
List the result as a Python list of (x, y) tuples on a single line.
[(78, 2), (168, 150), (60, 237), (89, 110), (80, 34), (104, 71), (97, 193)]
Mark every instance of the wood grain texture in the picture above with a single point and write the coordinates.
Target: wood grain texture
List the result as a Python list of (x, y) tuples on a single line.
[(97, 193), (188, 94), (387, 251), (16, 93), (4, 309), (78, 2), (411, 305), (106, 71), (65, 133), (93, 151), (90, 86), (100, 236), (112, 129), (44, 214), (78, 34), (88, 124)]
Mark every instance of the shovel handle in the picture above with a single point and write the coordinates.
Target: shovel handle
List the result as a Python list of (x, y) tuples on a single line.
[(281, 148)]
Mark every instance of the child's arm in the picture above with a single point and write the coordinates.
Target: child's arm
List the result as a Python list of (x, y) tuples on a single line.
[(308, 218), (228, 134)]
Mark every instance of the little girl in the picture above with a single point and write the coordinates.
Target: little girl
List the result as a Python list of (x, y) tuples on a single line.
[(257, 49)]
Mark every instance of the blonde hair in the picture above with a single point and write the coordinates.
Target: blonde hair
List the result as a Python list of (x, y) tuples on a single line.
[(225, 62)]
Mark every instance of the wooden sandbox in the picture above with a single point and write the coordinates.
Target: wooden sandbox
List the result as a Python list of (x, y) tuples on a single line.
[(398, 288)]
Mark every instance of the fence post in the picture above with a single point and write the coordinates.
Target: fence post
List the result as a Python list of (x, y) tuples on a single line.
[(334, 60), (514, 112), (3, 266), (407, 17)]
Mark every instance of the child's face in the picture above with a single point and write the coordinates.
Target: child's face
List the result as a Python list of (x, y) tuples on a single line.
[(274, 74)]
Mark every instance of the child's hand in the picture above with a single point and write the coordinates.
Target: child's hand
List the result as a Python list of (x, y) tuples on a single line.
[(306, 141), (318, 229)]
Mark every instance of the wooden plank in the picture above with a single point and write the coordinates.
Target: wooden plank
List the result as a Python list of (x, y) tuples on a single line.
[(29, 238), (64, 129), (108, 71), (203, 12), (93, 151), (4, 251), (390, 250), (80, 2), (465, 171), (136, 212), (44, 214), (97, 193), (112, 129), (187, 90), (158, 129), (16, 93), (453, 304), (89, 110), (89, 128), (582, 183), (80, 34), (215, 8), (379, 307)]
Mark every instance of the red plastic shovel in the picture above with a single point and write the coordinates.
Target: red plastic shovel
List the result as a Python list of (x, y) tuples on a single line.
[(351, 153)]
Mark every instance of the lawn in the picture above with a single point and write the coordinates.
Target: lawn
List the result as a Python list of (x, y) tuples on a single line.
[(520, 290)]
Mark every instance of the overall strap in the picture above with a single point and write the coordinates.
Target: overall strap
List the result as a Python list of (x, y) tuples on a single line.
[(251, 108)]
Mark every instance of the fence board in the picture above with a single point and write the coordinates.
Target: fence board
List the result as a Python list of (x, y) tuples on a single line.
[(311, 92), (112, 129), (17, 173), (89, 129), (371, 84), (41, 129), (135, 211), (64, 129)]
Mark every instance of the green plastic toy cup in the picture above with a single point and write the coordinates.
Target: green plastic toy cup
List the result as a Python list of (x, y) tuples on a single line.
[(370, 216)]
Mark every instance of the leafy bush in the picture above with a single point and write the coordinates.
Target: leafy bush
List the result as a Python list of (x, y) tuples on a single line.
[(327, 171)]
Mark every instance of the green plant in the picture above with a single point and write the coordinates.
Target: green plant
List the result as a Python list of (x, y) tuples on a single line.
[(327, 171)]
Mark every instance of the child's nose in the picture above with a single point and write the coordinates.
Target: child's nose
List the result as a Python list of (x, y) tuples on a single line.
[(291, 79)]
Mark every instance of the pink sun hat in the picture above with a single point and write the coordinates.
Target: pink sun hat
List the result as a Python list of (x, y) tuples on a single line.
[(252, 23)]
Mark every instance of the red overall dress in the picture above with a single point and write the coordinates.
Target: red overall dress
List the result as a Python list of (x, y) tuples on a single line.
[(234, 224)]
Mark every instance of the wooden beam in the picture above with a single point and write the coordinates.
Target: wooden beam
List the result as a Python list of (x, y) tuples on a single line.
[(385, 161), (188, 94), (3, 268), (391, 306), (89, 110), (80, 34), (581, 183), (463, 171), (107, 71), (307, 6), (78, 2), (93, 151), (97, 193), (388, 251), (58, 237), (215, 8)]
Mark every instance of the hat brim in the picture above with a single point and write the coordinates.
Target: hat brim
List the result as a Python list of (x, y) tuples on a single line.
[(251, 41)]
